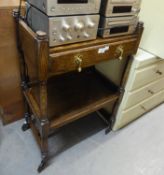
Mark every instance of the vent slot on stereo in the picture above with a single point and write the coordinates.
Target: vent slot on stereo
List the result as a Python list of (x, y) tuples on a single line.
[(122, 9), (122, 29)]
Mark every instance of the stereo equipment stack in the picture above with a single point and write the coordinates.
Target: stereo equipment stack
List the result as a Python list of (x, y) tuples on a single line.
[(72, 21), (118, 17), (65, 21)]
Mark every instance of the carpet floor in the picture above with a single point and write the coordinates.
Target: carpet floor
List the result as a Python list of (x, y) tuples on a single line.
[(82, 148)]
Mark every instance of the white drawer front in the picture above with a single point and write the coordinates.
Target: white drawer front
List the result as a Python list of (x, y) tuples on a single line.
[(147, 75), (151, 103), (139, 95), (133, 113)]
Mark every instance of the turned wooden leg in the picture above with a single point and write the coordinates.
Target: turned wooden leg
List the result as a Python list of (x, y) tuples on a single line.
[(108, 130), (44, 144), (27, 115), (106, 117)]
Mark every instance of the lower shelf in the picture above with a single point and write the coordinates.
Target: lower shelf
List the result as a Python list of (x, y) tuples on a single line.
[(74, 95)]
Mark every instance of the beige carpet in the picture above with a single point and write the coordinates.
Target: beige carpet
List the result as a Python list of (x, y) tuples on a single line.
[(82, 148)]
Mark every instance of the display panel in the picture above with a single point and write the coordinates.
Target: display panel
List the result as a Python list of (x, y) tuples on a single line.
[(122, 9), (121, 29), (72, 1)]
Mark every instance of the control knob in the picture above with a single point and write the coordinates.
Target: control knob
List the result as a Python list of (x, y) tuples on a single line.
[(79, 26), (69, 37), (135, 10), (66, 27), (86, 35), (61, 38), (91, 24)]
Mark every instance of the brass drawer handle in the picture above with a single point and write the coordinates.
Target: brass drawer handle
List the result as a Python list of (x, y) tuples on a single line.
[(151, 92), (120, 52), (159, 72), (78, 62)]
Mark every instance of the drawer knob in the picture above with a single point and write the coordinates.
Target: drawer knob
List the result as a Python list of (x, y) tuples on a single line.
[(143, 108), (119, 52), (151, 92), (159, 72), (78, 62)]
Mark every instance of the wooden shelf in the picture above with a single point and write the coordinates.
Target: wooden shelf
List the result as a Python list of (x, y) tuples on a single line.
[(74, 95)]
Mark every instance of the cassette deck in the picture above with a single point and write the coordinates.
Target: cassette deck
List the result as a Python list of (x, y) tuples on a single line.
[(113, 8), (117, 26)]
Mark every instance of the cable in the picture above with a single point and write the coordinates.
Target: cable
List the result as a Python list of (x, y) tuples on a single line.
[(24, 68), (26, 16), (20, 6)]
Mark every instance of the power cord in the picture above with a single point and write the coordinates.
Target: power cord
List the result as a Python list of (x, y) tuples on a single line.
[(24, 68)]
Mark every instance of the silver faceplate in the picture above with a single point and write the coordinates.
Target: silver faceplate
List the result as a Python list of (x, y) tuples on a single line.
[(113, 8), (117, 26), (64, 30), (53, 8)]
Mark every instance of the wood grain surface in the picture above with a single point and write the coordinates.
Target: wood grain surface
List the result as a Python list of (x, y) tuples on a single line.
[(11, 100)]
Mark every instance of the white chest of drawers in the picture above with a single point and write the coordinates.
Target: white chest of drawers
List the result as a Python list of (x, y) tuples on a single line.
[(144, 88)]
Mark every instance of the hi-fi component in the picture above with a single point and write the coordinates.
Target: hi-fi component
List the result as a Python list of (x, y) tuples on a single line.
[(67, 7), (117, 26), (64, 30), (112, 8)]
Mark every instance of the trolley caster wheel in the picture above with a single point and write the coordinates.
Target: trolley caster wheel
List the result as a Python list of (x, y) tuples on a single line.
[(25, 127), (107, 131), (42, 166)]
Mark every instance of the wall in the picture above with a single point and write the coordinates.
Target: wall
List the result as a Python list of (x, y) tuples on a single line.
[(152, 14)]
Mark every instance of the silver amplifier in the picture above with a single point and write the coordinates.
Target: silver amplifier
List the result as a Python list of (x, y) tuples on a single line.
[(117, 26), (112, 8), (67, 7), (64, 30)]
